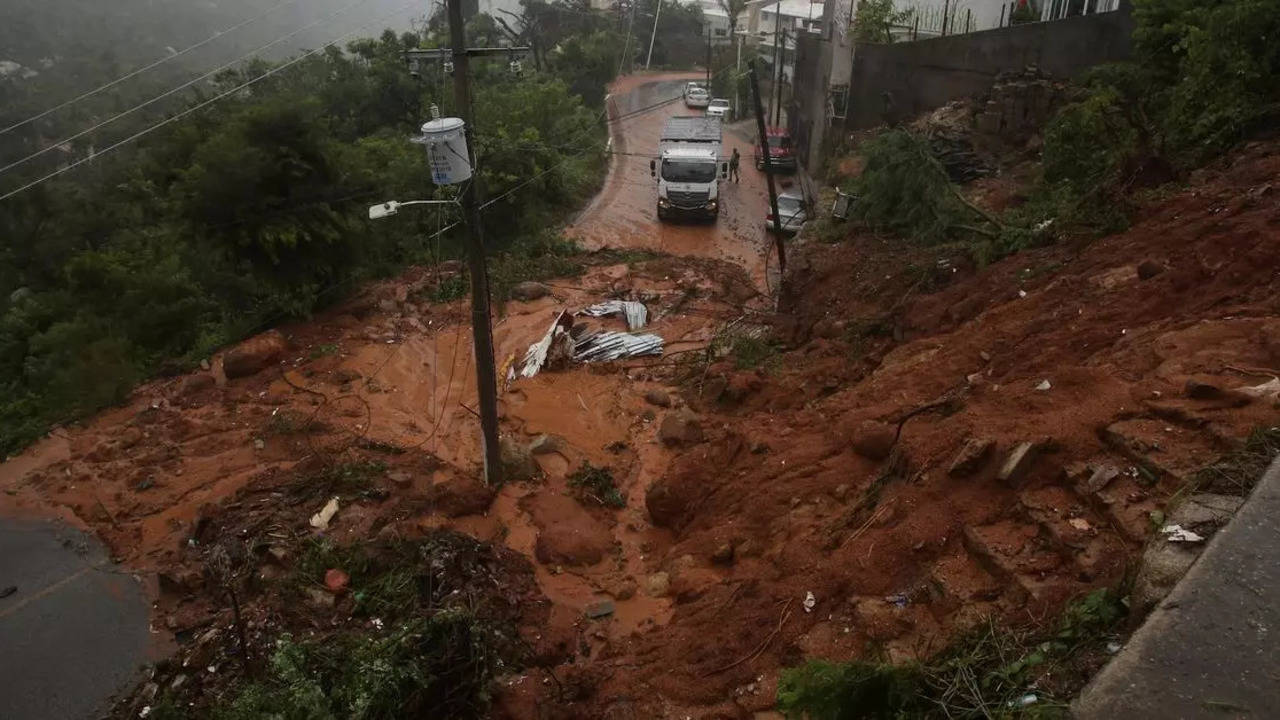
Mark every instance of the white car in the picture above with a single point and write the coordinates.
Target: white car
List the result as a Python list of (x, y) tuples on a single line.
[(791, 206), (697, 97), (719, 107)]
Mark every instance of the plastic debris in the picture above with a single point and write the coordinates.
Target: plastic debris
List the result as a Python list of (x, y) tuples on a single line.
[(1113, 647), (896, 600), (1177, 533), (1025, 701), (1044, 385), (606, 345), (1022, 293), (320, 520), (809, 602), (635, 313)]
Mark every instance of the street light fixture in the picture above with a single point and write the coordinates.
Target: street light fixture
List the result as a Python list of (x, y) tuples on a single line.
[(391, 207)]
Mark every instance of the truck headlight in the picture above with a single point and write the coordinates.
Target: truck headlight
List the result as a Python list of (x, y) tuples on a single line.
[(711, 205), (663, 202)]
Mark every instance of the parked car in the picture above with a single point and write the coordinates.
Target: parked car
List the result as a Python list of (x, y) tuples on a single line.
[(793, 209), (719, 107), (781, 154), (697, 97)]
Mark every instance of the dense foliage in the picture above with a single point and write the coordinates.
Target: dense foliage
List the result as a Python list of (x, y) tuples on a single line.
[(254, 210)]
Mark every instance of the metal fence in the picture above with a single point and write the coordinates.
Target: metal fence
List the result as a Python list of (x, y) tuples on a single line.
[(954, 17)]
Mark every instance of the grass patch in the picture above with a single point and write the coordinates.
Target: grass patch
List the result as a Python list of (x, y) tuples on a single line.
[(983, 674), (446, 289), (348, 478), (543, 257), (1238, 472), (292, 422), (597, 485)]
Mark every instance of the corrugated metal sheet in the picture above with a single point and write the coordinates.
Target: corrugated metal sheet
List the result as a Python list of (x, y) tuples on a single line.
[(636, 314), (608, 345)]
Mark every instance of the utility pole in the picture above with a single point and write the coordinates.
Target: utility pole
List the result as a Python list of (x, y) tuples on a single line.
[(768, 168), (653, 36), (481, 325), (777, 105), (777, 55), (708, 59)]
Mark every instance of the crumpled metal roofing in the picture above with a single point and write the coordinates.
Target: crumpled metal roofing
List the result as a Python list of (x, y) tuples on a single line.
[(636, 313), (609, 345)]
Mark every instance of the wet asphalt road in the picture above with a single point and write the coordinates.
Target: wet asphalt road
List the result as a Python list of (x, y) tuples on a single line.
[(73, 633)]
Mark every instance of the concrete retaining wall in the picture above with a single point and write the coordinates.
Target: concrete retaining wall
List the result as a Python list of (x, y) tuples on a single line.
[(892, 83)]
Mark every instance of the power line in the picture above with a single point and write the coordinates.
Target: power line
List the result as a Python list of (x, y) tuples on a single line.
[(204, 104), (56, 144), (145, 68)]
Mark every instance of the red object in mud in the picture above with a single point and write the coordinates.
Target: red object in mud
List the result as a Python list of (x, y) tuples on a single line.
[(336, 580)]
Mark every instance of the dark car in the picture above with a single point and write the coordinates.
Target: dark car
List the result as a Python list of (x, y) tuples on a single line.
[(781, 154)]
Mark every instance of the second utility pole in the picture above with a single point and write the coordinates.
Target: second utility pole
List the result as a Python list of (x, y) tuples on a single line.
[(481, 327)]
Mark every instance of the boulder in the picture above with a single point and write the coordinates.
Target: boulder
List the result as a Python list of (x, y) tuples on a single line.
[(575, 545), (1197, 390), (874, 440), (1163, 562), (193, 384), (1148, 269), (517, 461), (547, 444), (254, 354), (461, 495), (680, 428), (658, 397), (666, 506), (971, 456), (529, 290), (723, 554)]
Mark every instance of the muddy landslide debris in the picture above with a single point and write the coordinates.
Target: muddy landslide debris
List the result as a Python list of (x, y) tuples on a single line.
[(680, 427), (254, 354)]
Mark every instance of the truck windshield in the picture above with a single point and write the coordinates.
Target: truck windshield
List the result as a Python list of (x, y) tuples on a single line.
[(688, 171)]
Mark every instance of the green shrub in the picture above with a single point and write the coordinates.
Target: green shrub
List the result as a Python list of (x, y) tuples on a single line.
[(904, 189), (597, 485)]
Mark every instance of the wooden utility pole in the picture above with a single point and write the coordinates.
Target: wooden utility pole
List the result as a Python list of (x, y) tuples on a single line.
[(654, 35), (708, 59), (768, 167), (481, 325), (777, 56), (777, 106)]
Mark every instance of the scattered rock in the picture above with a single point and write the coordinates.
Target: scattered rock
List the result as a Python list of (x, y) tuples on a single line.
[(599, 609), (181, 581), (1019, 462), (874, 440), (547, 444), (279, 553), (1101, 476), (400, 478), (254, 354), (259, 444), (193, 384), (529, 290), (723, 554), (336, 580), (658, 584), (1044, 385), (971, 456), (319, 598), (666, 506), (462, 494), (517, 461), (1197, 390), (841, 491), (680, 428), (624, 590), (1148, 269), (658, 397)]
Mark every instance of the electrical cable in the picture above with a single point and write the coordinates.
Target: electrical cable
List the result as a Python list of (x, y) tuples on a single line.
[(217, 35), (59, 143), (201, 105)]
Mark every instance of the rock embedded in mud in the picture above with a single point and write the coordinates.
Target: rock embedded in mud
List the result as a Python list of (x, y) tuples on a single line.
[(254, 354), (599, 609), (461, 495), (874, 440), (680, 428), (517, 461), (624, 589), (193, 384), (666, 506), (658, 584), (1197, 390), (723, 554), (1164, 563), (658, 397), (971, 456), (564, 544), (1019, 462), (1148, 269), (529, 290), (547, 444)]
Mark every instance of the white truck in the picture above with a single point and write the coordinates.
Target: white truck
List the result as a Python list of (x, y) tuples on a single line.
[(689, 168)]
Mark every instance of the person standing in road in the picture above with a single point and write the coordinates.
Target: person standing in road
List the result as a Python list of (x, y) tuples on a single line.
[(733, 165)]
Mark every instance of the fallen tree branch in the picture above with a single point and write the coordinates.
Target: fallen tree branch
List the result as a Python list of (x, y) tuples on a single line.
[(786, 615)]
